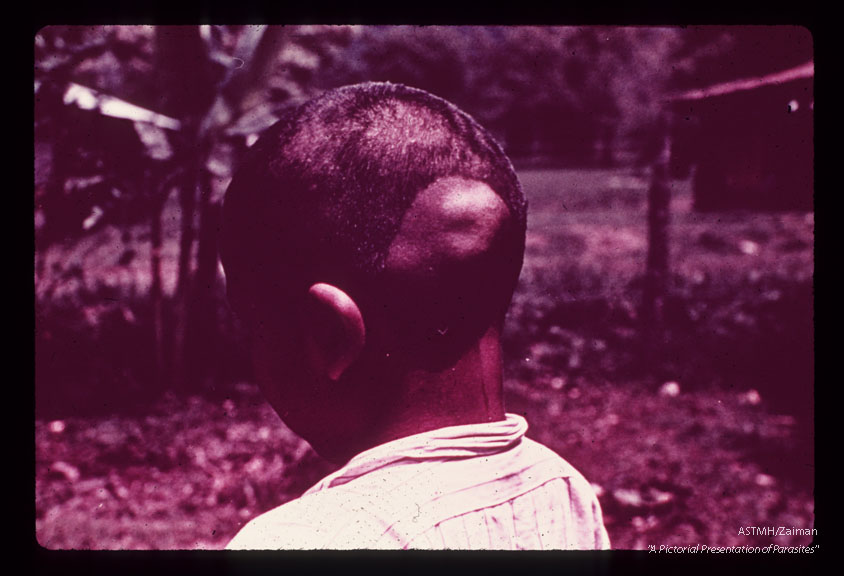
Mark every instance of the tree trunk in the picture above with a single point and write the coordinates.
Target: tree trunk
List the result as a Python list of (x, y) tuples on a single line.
[(187, 91), (187, 204), (201, 341)]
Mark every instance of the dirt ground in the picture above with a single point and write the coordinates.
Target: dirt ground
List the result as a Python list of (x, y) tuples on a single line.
[(695, 439)]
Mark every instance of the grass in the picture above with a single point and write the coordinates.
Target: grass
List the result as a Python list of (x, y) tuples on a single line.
[(686, 446)]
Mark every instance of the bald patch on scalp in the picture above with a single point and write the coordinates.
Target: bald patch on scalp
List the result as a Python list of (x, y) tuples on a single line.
[(451, 222)]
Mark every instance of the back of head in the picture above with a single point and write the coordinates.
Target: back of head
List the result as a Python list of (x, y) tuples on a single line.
[(381, 190)]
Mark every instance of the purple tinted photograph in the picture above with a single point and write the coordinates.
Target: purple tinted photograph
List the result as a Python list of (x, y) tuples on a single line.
[(357, 287)]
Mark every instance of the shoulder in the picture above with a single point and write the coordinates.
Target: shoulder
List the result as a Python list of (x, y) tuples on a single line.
[(579, 486), (288, 526), (323, 520), (533, 451), (581, 500)]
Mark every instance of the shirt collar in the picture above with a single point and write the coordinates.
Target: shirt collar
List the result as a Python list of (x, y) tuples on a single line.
[(452, 442)]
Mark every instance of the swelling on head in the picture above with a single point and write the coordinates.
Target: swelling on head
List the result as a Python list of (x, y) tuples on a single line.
[(391, 194)]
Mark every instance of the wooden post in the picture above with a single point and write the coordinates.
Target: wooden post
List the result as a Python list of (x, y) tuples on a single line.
[(657, 272), (156, 289)]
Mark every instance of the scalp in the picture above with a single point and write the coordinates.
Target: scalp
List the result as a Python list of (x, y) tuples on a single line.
[(453, 221), (390, 193)]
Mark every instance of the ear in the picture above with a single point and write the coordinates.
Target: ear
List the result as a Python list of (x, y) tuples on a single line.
[(334, 331)]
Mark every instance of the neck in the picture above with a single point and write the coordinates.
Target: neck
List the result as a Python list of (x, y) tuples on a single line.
[(469, 392)]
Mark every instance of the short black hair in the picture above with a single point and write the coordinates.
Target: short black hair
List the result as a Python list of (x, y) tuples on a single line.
[(321, 195)]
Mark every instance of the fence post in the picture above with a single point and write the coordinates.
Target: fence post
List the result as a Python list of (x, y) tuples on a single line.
[(657, 269)]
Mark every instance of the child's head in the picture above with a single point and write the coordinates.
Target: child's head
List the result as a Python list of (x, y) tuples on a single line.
[(374, 230)]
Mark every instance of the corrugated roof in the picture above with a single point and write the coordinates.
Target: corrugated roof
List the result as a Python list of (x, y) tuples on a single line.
[(806, 70)]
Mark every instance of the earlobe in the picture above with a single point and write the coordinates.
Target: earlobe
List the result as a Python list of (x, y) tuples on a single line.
[(334, 331)]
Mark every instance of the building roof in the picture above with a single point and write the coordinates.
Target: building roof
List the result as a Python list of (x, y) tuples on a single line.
[(806, 70)]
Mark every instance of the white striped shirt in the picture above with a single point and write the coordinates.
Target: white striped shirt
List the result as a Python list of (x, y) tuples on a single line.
[(478, 487)]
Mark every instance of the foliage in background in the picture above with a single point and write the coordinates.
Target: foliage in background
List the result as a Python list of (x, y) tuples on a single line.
[(102, 163), (129, 298), (574, 94)]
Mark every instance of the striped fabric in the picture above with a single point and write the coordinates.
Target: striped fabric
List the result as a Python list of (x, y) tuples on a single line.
[(476, 487)]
